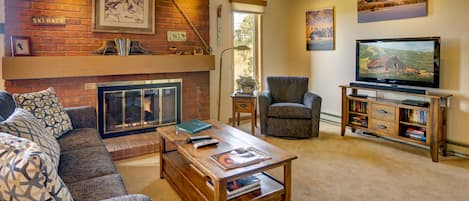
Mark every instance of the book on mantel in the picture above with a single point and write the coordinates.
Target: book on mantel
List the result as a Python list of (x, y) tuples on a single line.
[(193, 126)]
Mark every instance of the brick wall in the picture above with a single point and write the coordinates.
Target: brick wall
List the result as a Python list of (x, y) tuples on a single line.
[(76, 38), (72, 92)]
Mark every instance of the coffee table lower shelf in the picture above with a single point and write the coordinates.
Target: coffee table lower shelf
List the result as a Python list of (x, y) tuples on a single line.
[(191, 184)]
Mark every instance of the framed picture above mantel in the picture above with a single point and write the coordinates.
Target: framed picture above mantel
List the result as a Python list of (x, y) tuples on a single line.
[(124, 16)]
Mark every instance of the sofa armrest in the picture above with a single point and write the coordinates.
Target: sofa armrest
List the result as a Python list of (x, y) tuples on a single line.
[(132, 197), (82, 117), (265, 100)]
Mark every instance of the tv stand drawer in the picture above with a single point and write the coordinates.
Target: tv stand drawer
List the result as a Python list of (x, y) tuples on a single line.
[(383, 112)]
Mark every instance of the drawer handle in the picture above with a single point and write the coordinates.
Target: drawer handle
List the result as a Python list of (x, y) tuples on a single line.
[(383, 111), (197, 170), (242, 105), (382, 126)]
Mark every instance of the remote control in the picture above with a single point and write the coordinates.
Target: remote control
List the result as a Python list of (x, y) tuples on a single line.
[(198, 138), (204, 143)]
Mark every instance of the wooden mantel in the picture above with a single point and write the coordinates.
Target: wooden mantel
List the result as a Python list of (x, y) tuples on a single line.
[(39, 67)]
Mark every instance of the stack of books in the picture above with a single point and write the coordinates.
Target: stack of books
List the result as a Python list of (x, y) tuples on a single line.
[(241, 186), (415, 116), (358, 106), (416, 134), (359, 120)]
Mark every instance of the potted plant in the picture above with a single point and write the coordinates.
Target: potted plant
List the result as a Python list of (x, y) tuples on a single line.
[(246, 84)]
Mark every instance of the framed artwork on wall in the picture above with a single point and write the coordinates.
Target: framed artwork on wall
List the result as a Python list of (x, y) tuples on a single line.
[(20, 46), (320, 30), (372, 11), (124, 16)]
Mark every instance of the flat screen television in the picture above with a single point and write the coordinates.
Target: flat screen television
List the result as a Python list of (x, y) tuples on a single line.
[(399, 61)]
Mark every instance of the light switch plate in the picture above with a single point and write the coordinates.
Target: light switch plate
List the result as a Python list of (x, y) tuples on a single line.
[(177, 36)]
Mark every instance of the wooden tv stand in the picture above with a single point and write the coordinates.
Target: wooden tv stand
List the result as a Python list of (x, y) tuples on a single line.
[(423, 125)]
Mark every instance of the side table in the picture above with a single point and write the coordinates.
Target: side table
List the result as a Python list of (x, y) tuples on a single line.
[(245, 103)]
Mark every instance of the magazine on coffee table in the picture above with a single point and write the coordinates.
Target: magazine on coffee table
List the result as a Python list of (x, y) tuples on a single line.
[(239, 157)]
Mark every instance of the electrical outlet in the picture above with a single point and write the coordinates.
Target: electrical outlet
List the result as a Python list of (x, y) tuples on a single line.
[(177, 36)]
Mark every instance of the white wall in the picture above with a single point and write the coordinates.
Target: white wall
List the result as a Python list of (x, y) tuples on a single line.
[(275, 46), (328, 69), (2, 39)]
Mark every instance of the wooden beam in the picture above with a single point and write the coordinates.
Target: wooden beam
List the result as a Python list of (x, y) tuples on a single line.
[(254, 2)]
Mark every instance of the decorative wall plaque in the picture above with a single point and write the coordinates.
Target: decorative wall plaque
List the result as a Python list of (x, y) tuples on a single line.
[(47, 20)]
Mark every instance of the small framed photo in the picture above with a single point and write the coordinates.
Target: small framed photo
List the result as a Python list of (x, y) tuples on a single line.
[(20, 46)]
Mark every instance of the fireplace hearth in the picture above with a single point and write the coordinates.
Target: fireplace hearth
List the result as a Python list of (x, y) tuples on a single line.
[(138, 106)]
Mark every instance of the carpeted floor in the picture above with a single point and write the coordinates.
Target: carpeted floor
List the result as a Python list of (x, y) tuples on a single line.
[(335, 168)]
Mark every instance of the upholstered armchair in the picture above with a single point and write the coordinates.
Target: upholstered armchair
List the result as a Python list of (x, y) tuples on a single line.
[(287, 109)]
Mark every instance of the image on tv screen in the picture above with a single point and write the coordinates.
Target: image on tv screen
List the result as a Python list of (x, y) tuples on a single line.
[(397, 60)]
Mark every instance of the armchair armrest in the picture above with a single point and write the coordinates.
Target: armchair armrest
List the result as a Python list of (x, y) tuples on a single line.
[(132, 197), (82, 117), (265, 100), (314, 101)]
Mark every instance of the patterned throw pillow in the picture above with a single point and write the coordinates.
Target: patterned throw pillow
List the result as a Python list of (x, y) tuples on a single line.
[(23, 124), (45, 106), (26, 173)]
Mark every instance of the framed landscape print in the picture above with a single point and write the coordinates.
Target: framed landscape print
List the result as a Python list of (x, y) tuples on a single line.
[(20, 46), (124, 16), (320, 29), (372, 11)]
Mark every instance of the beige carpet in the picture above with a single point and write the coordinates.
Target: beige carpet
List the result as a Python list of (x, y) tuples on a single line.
[(332, 167)]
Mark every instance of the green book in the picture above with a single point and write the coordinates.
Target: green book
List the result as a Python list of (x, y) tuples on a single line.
[(193, 126)]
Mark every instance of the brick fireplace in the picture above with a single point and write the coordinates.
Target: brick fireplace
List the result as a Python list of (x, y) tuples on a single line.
[(80, 91)]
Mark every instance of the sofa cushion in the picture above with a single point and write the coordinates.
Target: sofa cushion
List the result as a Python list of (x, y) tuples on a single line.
[(45, 106), (287, 89), (98, 188), (7, 105), (87, 163), (289, 111), (27, 173), (23, 124), (79, 139)]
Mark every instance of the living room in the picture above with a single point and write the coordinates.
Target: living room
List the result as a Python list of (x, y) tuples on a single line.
[(66, 53)]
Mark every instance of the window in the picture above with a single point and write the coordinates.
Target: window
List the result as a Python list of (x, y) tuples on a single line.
[(246, 32)]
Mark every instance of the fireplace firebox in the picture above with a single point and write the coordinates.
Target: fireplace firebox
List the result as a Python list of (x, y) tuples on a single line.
[(139, 106)]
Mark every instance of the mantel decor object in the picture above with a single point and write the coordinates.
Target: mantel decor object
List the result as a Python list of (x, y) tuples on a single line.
[(123, 16), (109, 48), (20, 46)]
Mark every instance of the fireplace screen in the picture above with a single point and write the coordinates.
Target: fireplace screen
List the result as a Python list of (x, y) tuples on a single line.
[(137, 108)]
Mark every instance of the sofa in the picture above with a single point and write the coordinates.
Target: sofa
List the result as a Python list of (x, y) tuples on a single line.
[(85, 165), (287, 109)]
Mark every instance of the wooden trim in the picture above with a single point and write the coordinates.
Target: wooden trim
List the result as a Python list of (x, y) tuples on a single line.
[(15, 68), (254, 2)]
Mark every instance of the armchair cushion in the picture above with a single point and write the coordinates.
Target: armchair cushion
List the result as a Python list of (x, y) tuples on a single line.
[(289, 111), (287, 89)]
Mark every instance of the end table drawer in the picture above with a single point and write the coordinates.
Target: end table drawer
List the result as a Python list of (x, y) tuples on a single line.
[(243, 107)]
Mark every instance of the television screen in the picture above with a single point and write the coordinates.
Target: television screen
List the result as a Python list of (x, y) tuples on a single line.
[(406, 61)]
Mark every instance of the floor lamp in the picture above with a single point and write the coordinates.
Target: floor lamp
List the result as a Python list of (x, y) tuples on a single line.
[(241, 47)]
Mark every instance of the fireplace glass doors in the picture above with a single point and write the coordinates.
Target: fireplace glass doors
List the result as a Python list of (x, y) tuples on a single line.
[(136, 108)]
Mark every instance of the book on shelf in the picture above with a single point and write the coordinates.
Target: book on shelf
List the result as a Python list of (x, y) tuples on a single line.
[(416, 134), (415, 116), (241, 186), (239, 157), (193, 126)]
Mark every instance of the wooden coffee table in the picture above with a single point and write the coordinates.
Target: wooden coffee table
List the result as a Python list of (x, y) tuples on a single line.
[(188, 170)]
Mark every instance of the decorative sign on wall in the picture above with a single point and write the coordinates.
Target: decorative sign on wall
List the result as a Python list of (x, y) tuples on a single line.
[(320, 29), (372, 11), (177, 36), (46, 20)]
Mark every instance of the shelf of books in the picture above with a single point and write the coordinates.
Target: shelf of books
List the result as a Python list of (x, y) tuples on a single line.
[(358, 107), (413, 124)]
